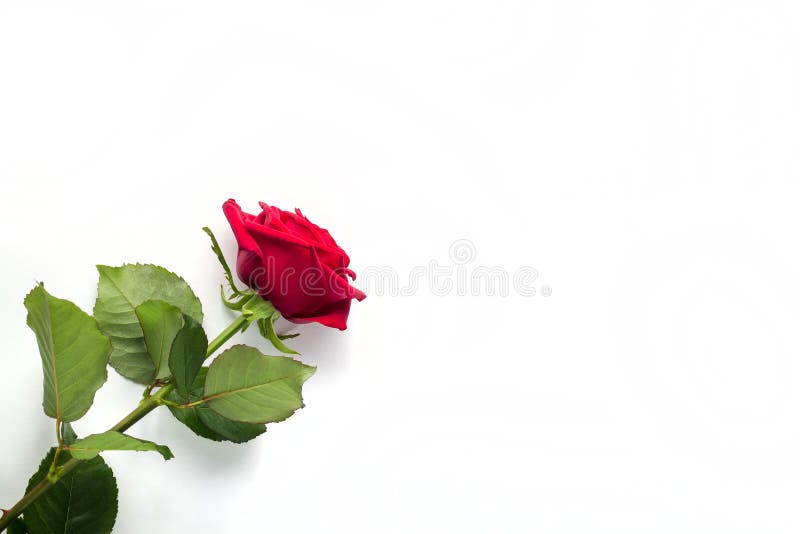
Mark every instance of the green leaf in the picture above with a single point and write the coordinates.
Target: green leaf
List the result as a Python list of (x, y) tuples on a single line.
[(17, 527), (187, 355), (90, 446), (244, 385), (160, 323), (261, 311), (74, 354), (84, 501), (208, 424), (119, 291), (267, 329), (68, 435)]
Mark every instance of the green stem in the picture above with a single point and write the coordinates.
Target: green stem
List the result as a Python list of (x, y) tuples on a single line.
[(145, 407), (17, 509), (234, 328), (60, 441)]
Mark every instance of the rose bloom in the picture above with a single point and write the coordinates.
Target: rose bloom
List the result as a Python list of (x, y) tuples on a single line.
[(294, 264)]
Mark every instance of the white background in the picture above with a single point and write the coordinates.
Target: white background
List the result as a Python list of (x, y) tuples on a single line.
[(642, 156)]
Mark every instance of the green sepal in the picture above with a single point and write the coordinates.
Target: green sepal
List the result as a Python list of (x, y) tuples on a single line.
[(83, 501), (233, 303), (267, 329), (206, 423), (221, 257), (257, 308), (261, 311), (288, 336)]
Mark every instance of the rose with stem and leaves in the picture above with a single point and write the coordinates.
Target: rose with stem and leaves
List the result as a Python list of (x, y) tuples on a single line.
[(147, 325)]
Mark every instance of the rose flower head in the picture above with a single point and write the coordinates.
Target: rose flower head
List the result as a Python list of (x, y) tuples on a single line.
[(294, 264)]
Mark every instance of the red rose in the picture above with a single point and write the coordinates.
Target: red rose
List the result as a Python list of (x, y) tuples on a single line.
[(294, 264)]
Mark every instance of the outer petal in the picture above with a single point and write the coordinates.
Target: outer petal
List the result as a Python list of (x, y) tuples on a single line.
[(335, 316), (249, 257), (294, 264), (236, 218)]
